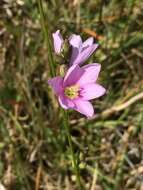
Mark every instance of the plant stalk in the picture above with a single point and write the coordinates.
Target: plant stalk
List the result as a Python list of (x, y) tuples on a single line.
[(52, 73), (47, 37), (74, 160)]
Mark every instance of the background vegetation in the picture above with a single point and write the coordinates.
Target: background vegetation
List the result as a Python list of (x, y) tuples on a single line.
[(33, 143)]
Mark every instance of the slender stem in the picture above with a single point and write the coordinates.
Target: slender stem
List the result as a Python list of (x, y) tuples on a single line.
[(78, 15), (47, 39), (52, 72), (74, 161)]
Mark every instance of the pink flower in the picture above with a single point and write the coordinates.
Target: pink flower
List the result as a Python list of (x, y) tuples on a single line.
[(81, 51), (58, 41), (78, 87)]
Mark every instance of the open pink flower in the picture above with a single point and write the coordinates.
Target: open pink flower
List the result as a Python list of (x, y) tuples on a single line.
[(78, 87), (58, 41), (81, 51)]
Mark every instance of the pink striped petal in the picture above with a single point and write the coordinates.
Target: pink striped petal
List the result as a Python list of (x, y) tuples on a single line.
[(90, 75), (73, 74), (91, 91), (75, 41), (57, 84), (88, 42), (58, 41), (84, 107), (74, 55), (85, 54), (65, 102)]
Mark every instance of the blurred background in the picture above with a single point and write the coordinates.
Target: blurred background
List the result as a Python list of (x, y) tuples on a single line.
[(34, 151)]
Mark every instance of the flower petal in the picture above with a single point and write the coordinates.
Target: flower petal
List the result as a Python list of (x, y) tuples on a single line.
[(74, 55), (73, 74), (75, 41), (88, 42), (58, 41), (90, 75), (84, 107), (85, 54), (80, 48), (57, 84), (65, 102), (91, 91)]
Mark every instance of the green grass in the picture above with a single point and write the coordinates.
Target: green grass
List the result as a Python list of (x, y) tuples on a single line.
[(34, 152)]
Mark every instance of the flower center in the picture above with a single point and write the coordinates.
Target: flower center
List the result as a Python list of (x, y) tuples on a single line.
[(72, 91)]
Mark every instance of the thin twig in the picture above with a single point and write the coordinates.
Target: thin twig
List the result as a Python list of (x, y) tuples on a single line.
[(106, 113), (38, 176), (95, 174), (78, 15), (123, 106), (47, 39)]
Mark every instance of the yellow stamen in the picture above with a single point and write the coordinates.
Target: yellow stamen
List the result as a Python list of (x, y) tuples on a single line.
[(72, 91)]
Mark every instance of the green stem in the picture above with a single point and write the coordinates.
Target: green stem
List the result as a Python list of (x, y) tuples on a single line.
[(47, 39), (74, 161), (52, 72)]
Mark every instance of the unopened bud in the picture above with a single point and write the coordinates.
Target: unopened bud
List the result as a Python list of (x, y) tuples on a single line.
[(61, 70)]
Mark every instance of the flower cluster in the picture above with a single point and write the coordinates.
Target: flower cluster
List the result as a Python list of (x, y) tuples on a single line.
[(78, 85)]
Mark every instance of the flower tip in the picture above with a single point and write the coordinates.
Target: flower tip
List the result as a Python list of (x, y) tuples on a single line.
[(58, 41), (56, 33), (75, 40), (104, 91), (90, 117), (95, 46), (49, 81)]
